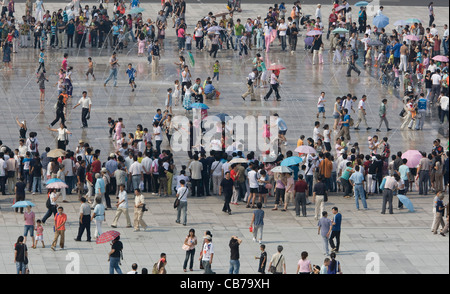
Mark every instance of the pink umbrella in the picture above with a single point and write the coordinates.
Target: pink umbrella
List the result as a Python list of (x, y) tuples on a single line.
[(339, 8), (412, 38), (413, 157), (274, 66), (314, 33), (440, 58), (305, 150)]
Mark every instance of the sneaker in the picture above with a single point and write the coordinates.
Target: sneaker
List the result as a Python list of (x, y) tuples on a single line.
[(377, 130)]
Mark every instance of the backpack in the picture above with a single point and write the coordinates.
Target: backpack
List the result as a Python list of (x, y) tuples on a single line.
[(155, 270), (32, 144), (48, 203)]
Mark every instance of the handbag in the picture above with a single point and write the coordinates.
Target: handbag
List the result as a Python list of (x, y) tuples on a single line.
[(25, 258), (273, 269)]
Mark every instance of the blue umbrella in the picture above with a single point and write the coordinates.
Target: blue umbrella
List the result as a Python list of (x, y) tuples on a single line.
[(399, 23), (199, 106), (361, 3), (222, 116), (136, 10), (381, 21), (54, 180), (19, 204), (406, 202), (293, 160)]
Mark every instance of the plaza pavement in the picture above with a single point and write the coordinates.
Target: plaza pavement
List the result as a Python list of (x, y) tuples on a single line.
[(403, 241)]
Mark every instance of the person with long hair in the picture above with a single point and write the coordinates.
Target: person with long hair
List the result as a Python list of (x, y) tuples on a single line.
[(189, 246), (20, 255), (334, 267)]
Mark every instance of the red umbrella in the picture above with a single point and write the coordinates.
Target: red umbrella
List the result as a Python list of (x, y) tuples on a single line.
[(107, 237), (275, 66)]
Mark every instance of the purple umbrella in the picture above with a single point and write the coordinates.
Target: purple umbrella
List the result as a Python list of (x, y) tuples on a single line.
[(440, 58), (309, 41)]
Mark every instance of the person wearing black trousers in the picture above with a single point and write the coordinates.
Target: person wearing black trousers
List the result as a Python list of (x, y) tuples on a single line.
[(226, 186), (85, 220), (274, 83), (59, 111)]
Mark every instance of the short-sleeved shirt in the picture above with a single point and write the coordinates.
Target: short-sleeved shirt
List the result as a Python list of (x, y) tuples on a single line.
[(319, 189), (117, 246), (234, 248), (404, 170), (324, 224), (337, 219), (29, 218), (208, 249), (99, 211), (300, 186), (59, 219), (357, 178), (85, 209), (131, 72), (227, 186), (304, 265), (259, 217), (20, 189)]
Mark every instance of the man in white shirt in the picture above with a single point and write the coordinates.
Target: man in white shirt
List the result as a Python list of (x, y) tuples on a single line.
[(250, 81), (3, 167), (136, 172), (436, 85), (318, 11), (443, 107), (22, 148), (147, 172), (86, 105), (182, 194), (362, 113), (316, 132), (445, 40), (207, 255), (122, 207), (217, 175), (282, 28)]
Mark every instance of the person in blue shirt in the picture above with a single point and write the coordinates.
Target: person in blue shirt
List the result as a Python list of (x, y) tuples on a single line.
[(209, 91), (357, 180), (422, 110), (335, 230), (345, 130), (282, 129), (41, 61), (115, 33), (396, 49), (131, 72)]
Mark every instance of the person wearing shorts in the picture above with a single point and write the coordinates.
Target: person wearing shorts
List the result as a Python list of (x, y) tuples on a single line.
[(29, 218)]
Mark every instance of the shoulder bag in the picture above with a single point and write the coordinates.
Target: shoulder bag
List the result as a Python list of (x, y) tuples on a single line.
[(177, 201), (273, 269)]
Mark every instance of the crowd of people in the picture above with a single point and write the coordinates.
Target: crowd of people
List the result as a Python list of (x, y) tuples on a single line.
[(139, 165)]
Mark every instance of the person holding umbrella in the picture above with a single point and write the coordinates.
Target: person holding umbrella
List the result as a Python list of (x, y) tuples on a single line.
[(274, 84), (114, 256)]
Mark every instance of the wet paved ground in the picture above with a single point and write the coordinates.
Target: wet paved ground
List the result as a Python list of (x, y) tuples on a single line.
[(403, 240)]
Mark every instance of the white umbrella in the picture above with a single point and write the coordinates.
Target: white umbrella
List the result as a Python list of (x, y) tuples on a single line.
[(238, 160), (281, 169)]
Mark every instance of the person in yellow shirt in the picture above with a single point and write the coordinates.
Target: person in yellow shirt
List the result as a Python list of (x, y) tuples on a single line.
[(300, 141)]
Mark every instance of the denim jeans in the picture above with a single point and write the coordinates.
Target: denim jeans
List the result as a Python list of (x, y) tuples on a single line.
[(359, 192), (234, 267), (21, 267), (333, 187), (182, 207), (283, 42), (325, 245), (114, 265), (112, 74), (189, 255), (238, 43)]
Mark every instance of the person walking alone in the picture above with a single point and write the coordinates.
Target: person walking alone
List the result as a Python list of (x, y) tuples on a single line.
[(114, 65), (274, 84), (85, 220), (335, 230), (86, 105), (382, 113)]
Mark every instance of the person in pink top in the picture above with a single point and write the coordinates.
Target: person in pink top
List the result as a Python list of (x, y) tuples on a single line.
[(289, 194), (39, 234), (118, 133), (181, 36), (29, 218), (64, 62), (280, 190), (304, 265)]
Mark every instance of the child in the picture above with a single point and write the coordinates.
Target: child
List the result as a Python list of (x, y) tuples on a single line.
[(262, 259), (121, 40), (112, 126), (216, 67), (90, 69), (149, 52), (39, 234), (131, 72), (41, 61), (396, 77), (41, 81), (169, 100), (188, 42)]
